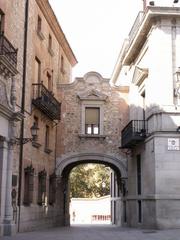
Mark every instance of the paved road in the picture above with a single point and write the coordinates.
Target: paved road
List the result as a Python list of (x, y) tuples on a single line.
[(97, 233)]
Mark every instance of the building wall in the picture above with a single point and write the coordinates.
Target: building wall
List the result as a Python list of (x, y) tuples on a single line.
[(89, 90), (34, 216), (10, 83), (152, 64), (35, 155), (74, 145), (95, 211)]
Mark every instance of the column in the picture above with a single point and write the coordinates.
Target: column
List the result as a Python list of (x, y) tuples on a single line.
[(9, 226)]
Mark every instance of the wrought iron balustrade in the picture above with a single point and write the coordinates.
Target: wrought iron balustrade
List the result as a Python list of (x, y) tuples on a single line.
[(134, 133), (44, 100), (7, 50)]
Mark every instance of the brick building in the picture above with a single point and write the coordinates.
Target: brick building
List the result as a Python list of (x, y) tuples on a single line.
[(93, 115), (44, 59), (11, 62)]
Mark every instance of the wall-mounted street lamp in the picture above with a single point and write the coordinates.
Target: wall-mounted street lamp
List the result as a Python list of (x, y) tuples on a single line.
[(34, 129)]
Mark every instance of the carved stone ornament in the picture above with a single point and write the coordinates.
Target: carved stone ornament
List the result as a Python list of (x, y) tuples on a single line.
[(92, 95), (92, 78), (139, 75), (3, 94)]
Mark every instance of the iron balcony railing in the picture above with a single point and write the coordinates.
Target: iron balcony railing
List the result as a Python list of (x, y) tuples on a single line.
[(7, 50), (44, 100), (134, 133)]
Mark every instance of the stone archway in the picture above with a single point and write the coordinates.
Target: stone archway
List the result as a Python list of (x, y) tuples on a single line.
[(66, 164)]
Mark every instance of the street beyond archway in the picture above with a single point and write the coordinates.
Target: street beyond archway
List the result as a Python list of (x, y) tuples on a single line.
[(86, 232)]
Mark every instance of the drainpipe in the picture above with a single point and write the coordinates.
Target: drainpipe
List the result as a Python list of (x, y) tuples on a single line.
[(22, 109)]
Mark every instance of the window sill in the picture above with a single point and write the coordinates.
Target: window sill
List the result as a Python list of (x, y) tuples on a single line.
[(40, 35), (47, 150), (98, 136)]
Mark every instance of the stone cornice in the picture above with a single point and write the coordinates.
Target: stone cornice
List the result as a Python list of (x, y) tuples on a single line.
[(151, 15), (57, 30), (10, 114), (92, 95), (139, 75)]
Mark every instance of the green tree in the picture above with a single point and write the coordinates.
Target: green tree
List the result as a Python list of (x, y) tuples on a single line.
[(90, 181)]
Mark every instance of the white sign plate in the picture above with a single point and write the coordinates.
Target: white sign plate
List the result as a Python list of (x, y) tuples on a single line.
[(173, 144)]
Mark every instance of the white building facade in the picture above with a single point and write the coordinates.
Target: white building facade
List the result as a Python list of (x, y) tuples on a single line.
[(149, 62)]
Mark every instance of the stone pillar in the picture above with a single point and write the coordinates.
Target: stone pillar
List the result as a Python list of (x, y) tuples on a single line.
[(3, 176), (9, 226)]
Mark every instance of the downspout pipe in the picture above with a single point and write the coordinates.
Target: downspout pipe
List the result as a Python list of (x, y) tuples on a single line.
[(22, 110)]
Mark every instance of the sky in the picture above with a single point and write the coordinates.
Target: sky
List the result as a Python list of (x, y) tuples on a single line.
[(95, 30)]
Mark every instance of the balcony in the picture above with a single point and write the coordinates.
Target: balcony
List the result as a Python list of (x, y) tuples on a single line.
[(8, 54), (44, 100), (134, 133)]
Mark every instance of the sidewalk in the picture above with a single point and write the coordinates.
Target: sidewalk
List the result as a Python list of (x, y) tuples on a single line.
[(90, 232)]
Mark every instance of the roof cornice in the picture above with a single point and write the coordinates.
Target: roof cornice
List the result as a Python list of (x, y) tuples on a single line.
[(48, 13), (150, 15)]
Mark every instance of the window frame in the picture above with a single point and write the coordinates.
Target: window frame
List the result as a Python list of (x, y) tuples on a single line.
[(28, 186), (92, 104), (91, 125)]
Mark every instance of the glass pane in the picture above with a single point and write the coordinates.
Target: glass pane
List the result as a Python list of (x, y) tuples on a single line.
[(96, 130), (89, 130)]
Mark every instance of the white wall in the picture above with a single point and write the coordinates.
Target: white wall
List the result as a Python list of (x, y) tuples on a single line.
[(85, 208)]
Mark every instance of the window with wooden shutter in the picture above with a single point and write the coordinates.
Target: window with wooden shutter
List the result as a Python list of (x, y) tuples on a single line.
[(92, 120)]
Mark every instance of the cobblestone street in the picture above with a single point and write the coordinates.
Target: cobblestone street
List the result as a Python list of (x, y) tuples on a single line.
[(86, 232)]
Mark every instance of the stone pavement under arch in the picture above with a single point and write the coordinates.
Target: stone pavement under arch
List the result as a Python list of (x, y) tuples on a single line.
[(100, 232)]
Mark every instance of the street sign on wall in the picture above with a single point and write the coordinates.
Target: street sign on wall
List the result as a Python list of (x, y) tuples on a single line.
[(173, 144)]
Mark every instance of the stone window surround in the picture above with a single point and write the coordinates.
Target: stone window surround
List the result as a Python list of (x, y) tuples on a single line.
[(93, 104), (39, 28)]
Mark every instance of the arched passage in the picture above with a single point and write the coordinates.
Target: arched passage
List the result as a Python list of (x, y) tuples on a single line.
[(66, 164)]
